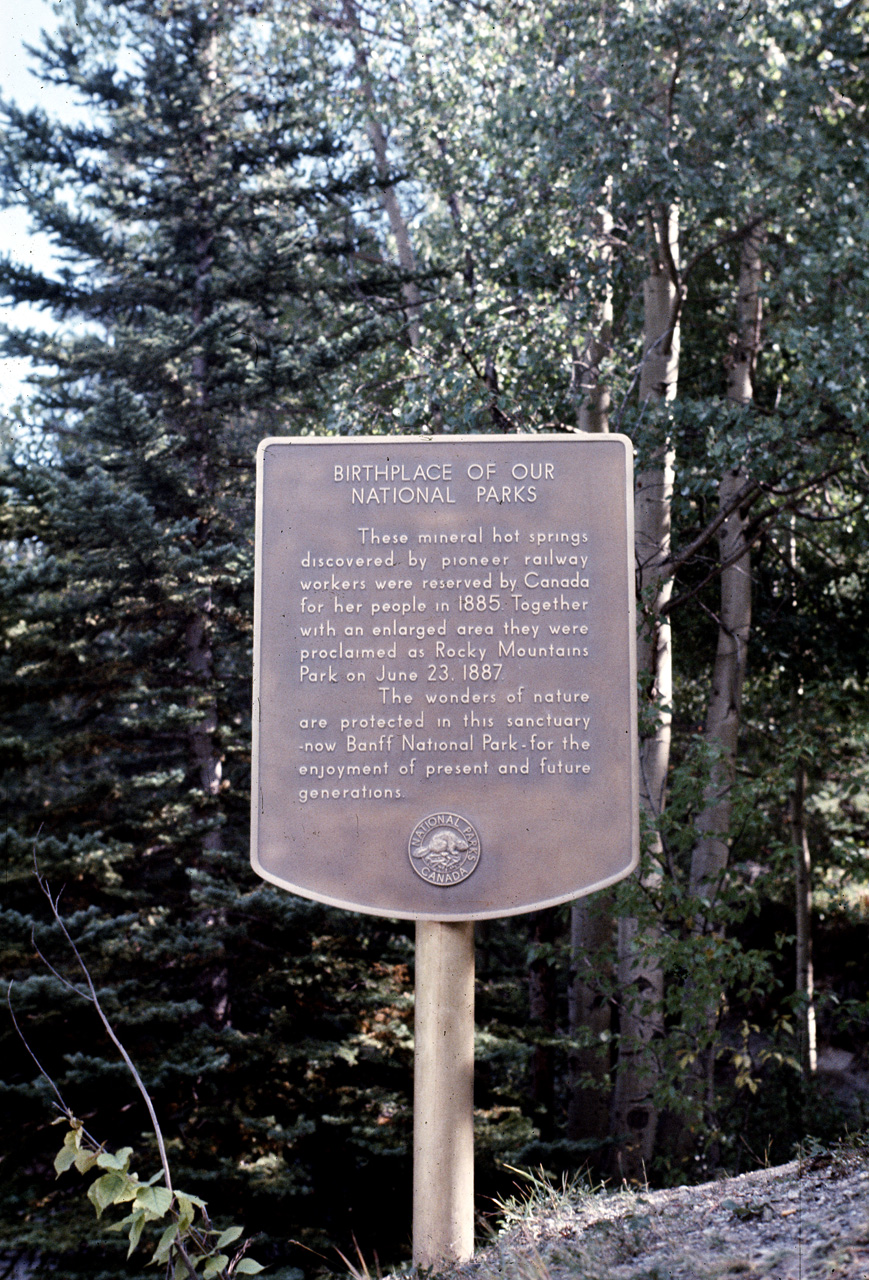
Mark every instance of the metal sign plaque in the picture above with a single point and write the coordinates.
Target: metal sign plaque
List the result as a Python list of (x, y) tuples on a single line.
[(444, 672)]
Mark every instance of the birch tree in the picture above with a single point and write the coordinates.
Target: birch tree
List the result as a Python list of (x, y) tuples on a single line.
[(710, 855), (639, 975), (351, 23), (804, 976)]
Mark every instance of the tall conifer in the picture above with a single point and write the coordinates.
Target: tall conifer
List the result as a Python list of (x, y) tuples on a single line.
[(212, 276)]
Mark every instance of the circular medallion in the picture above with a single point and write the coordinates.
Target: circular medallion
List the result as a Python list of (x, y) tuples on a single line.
[(444, 848)]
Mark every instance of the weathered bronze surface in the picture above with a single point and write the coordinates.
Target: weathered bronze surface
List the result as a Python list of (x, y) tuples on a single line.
[(444, 680)]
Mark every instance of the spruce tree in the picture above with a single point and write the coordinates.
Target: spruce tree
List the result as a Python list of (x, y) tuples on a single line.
[(212, 276)]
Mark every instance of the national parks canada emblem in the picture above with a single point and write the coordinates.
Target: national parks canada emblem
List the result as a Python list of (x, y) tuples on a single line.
[(444, 848)]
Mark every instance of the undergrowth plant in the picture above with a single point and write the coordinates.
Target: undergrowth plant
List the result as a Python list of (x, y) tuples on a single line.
[(188, 1246)]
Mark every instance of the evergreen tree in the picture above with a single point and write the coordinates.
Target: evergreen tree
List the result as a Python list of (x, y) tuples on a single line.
[(212, 277), (233, 280)]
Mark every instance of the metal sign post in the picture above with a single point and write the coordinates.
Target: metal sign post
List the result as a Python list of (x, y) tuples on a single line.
[(444, 714)]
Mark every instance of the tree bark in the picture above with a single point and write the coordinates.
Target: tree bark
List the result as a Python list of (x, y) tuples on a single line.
[(207, 766), (592, 392), (634, 1114), (542, 998), (589, 1017), (589, 1011), (202, 699), (662, 304), (710, 854), (805, 979), (388, 195), (709, 858), (743, 362)]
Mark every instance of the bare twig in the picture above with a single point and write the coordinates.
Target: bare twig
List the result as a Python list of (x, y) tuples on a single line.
[(94, 1000), (728, 238), (750, 492), (42, 1071), (192, 1235)]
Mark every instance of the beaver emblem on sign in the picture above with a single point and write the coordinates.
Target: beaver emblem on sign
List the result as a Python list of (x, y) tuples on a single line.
[(444, 848)]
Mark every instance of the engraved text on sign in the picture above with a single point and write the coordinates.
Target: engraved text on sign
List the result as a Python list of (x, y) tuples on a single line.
[(444, 721)]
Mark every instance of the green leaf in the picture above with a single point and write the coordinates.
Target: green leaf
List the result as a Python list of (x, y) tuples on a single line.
[(165, 1243), (215, 1264), (228, 1236), (111, 1188), (185, 1214), (155, 1200), (248, 1267), (136, 1231), (122, 1225), (65, 1157), (120, 1160), (85, 1160), (187, 1206)]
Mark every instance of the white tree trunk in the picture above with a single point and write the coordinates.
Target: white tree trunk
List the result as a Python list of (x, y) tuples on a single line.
[(589, 1016), (388, 196), (592, 392), (711, 852), (399, 228), (725, 700), (661, 306), (805, 977), (634, 1118), (589, 1012), (741, 368)]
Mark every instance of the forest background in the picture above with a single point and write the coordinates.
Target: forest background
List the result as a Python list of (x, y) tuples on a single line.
[(432, 216)]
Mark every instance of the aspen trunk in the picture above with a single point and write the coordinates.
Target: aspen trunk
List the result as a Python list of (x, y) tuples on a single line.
[(661, 305), (710, 854), (388, 196), (593, 392), (741, 370), (805, 978), (634, 1115), (542, 1001), (398, 227), (589, 1013)]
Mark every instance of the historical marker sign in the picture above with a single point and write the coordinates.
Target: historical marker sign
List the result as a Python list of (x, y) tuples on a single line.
[(444, 687)]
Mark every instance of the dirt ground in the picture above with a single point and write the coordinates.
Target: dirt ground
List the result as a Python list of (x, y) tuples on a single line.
[(800, 1221)]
